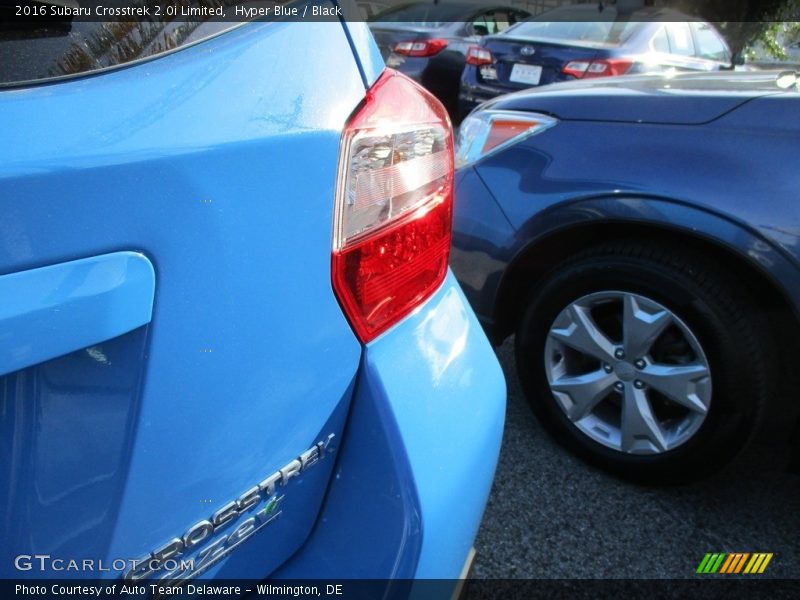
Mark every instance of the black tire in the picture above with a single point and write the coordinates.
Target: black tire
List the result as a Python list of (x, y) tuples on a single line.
[(717, 310)]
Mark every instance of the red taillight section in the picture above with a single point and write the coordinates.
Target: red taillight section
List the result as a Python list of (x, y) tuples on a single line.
[(393, 205), (584, 69), (421, 47), (479, 56)]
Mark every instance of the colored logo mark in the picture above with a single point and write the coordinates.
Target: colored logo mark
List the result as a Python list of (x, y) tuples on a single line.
[(269, 508), (734, 563)]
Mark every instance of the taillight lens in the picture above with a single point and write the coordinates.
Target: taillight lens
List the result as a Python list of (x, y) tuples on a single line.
[(486, 131), (584, 69), (393, 205), (421, 47), (479, 56)]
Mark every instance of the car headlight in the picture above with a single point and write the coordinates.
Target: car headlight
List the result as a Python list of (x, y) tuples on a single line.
[(487, 131)]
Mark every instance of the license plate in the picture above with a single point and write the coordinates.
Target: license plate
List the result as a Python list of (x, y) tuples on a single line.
[(394, 60), (529, 74)]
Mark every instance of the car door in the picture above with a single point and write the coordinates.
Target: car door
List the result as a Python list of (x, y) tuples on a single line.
[(709, 46), (683, 49)]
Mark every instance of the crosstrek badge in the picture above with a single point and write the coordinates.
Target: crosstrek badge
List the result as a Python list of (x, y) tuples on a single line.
[(202, 545)]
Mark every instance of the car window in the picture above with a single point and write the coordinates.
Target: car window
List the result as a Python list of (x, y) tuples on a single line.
[(481, 26), (709, 45), (660, 41), (490, 22), (502, 20), (605, 33), (680, 39), (422, 15), (61, 48)]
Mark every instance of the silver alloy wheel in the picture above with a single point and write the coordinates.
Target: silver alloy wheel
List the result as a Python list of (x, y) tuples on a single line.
[(627, 372)]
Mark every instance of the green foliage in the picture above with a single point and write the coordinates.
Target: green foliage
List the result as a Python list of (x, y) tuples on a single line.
[(773, 38), (755, 27)]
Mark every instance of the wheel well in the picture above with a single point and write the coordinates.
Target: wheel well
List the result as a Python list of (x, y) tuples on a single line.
[(540, 257)]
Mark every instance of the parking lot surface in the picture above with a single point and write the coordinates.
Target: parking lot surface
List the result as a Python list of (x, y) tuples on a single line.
[(552, 516)]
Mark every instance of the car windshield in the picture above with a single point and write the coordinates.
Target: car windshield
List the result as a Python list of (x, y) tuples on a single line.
[(606, 33), (40, 50), (422, 15)]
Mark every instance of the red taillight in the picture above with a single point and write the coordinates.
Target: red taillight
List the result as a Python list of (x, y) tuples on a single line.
[(479, 56), (584, 69), (393, 205), (420, 47)]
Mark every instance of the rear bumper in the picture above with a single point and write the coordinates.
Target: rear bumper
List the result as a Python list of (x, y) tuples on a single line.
[(472, 92), (412, 67), (418, 456)]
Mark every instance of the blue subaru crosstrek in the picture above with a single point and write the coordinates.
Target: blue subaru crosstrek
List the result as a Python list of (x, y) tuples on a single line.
[(231, 344)]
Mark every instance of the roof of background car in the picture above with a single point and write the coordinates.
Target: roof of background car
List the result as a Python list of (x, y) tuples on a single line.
[(590, 12), (453, 11)]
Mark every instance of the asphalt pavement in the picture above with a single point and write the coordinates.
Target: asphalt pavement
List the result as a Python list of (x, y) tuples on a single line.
[(550, 515)]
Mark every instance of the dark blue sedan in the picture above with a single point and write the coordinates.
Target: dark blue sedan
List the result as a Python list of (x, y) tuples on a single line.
[(579, 42), (428, 40), (641, 237)]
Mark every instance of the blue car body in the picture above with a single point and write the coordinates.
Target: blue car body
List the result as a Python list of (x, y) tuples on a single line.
[(171, 338), (706, 158)]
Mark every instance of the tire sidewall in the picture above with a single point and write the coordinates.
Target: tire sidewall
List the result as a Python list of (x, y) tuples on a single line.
[(706, 313)]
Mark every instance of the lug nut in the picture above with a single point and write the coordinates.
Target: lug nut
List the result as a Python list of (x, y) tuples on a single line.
[(619, 354), (619, 386), (640, 364), (638, 384), (607, 368)]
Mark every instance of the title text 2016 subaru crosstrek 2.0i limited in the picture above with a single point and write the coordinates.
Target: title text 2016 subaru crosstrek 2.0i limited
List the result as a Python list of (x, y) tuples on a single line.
[(231, 345)]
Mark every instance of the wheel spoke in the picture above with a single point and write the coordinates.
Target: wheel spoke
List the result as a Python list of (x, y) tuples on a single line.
[(581, 333), (663, 402), (584, 392), (682, 384), (638, 423), (641, 326)]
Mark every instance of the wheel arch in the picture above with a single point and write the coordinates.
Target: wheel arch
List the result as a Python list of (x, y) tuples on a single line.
[(737, 250)]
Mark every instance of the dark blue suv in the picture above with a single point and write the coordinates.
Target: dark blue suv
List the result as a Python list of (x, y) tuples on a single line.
[(641, 237)]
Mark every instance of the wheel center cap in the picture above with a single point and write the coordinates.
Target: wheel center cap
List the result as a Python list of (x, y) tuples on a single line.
[(625, 371)]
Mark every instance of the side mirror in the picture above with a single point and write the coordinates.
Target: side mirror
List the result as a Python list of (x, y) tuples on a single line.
[(480, 30), (738, 59)]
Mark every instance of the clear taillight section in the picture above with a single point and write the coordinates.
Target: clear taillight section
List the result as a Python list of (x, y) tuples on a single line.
[(487, 131), (479, 56), (393, 206), (610, 67)]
